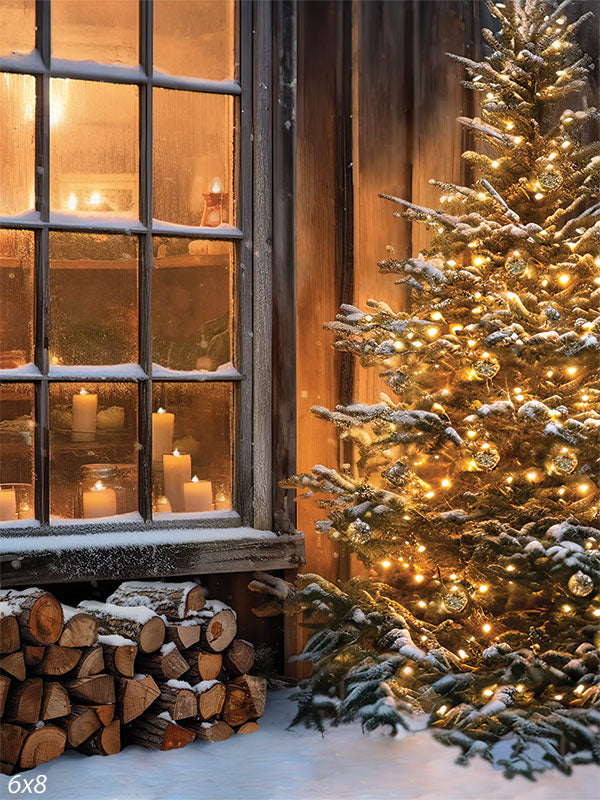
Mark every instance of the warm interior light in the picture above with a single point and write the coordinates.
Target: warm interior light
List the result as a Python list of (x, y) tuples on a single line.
[(385, 563), (446, 483), (72, 202), (564, 279), (419, 578), (98, 486), (486, 628), (82, 391)]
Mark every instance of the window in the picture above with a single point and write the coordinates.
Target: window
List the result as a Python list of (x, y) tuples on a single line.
[(125, 224)]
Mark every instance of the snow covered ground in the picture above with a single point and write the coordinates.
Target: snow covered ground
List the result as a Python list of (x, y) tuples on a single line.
[(277, 764)]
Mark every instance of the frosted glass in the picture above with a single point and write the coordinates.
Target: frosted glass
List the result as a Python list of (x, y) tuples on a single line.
[(93, 299), (195, 38), (94, 149), (17, 27), (17, 255), (16, 451), (88, 30), (17, 143), (192, 303), (93, 439), (201, 434), (193, 158)]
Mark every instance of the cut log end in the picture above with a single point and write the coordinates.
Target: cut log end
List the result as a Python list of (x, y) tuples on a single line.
[(220, 630), (42, 745), (152, 635), (248, 727)]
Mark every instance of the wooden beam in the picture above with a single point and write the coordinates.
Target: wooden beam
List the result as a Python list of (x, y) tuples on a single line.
[(116, 556)]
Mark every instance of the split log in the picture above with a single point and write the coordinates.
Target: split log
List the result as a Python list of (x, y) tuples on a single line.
[(14, 664), (211, 697), (9, 632), (174, 600), (106, 742), (55, 701), (42, 745), (238, 659), (245, 700), (58, 660), (158, 732), (119, 655), (139, 624), (96, 689), (215, 731), (24, 701), (204, 666), (248, 727), (81, 723), (81, 629), (105, 713), (4, 689), (219, 626), (11, 743), (166, 664), (91, 662), (182, 634), (178, 699), (6, 768), (135, 695), (38, 613), (33, 654)]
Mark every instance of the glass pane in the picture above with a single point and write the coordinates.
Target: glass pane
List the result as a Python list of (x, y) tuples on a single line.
[(93, 299), (87, 30), (93, 450), (94, 149), (193, 158), (16, 452), (195, 38), (191, 446), (192, 297), (17, 143), (17, 27), (17, 252)]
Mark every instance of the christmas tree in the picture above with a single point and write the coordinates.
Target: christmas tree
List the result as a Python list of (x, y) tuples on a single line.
[(473, 497)]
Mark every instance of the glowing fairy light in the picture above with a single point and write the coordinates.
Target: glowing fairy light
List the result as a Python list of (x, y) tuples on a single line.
[(385, 563), (446, 483), (422, 604), (486, 628), (483, 588), (419, 578), (564, 279), (495, 164), (462, 654), (487, 692)]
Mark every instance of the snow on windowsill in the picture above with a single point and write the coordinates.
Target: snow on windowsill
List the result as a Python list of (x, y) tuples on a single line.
[(99, 371), (19, 523), (20, 372)]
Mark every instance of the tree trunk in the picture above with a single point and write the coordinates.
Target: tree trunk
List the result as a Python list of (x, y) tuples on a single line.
[(245, 700), (141, 625), (135, 695), (55, 701), (81, 629), (174, 600), (39, 614)]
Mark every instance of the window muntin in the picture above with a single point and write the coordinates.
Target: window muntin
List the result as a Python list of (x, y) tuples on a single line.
[(95, 239)]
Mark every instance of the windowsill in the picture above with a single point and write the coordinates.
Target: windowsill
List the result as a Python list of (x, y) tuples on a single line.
[(118, 554)]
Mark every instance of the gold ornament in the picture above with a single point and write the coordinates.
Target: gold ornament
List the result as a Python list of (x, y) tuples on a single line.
[(580, 584), (515, 265), (455, 600), (487, 458), (551, 179), (564, 463), (487, 366)]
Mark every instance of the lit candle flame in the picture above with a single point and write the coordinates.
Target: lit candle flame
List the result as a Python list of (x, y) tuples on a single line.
[(72, 202), (176, 452), (161, 411), (195, 479), (82, 391), (95, 199), (98, 486), (217, 186)]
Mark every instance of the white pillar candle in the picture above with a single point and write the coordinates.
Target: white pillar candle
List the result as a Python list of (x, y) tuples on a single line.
[(197, 495), (99, 501), (8, 504), (85, 406), (163, 424), (177, 469)]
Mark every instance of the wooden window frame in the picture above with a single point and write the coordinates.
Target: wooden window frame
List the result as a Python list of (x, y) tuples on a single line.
[(226, 541)]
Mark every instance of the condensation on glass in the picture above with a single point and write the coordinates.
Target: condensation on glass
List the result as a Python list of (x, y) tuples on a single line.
[(191, 447), (17, 27), (93, 299), (193, 158), (192, 297), (17, 254), (17, 429), (93, 450), (17, 143), (195, 38), (88, 30), (94, 149)]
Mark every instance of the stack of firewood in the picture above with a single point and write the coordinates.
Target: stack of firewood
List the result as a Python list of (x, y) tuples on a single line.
[(156, 665)]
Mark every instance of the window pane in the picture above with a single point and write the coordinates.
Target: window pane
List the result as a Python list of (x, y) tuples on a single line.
[(93, 450), (17, 27), (16, 452), (192, 439), (195, 38), (17, 251), (87, 30), (94, 149), (193, 158), (93, 299), (192, 304), (17, 143)]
